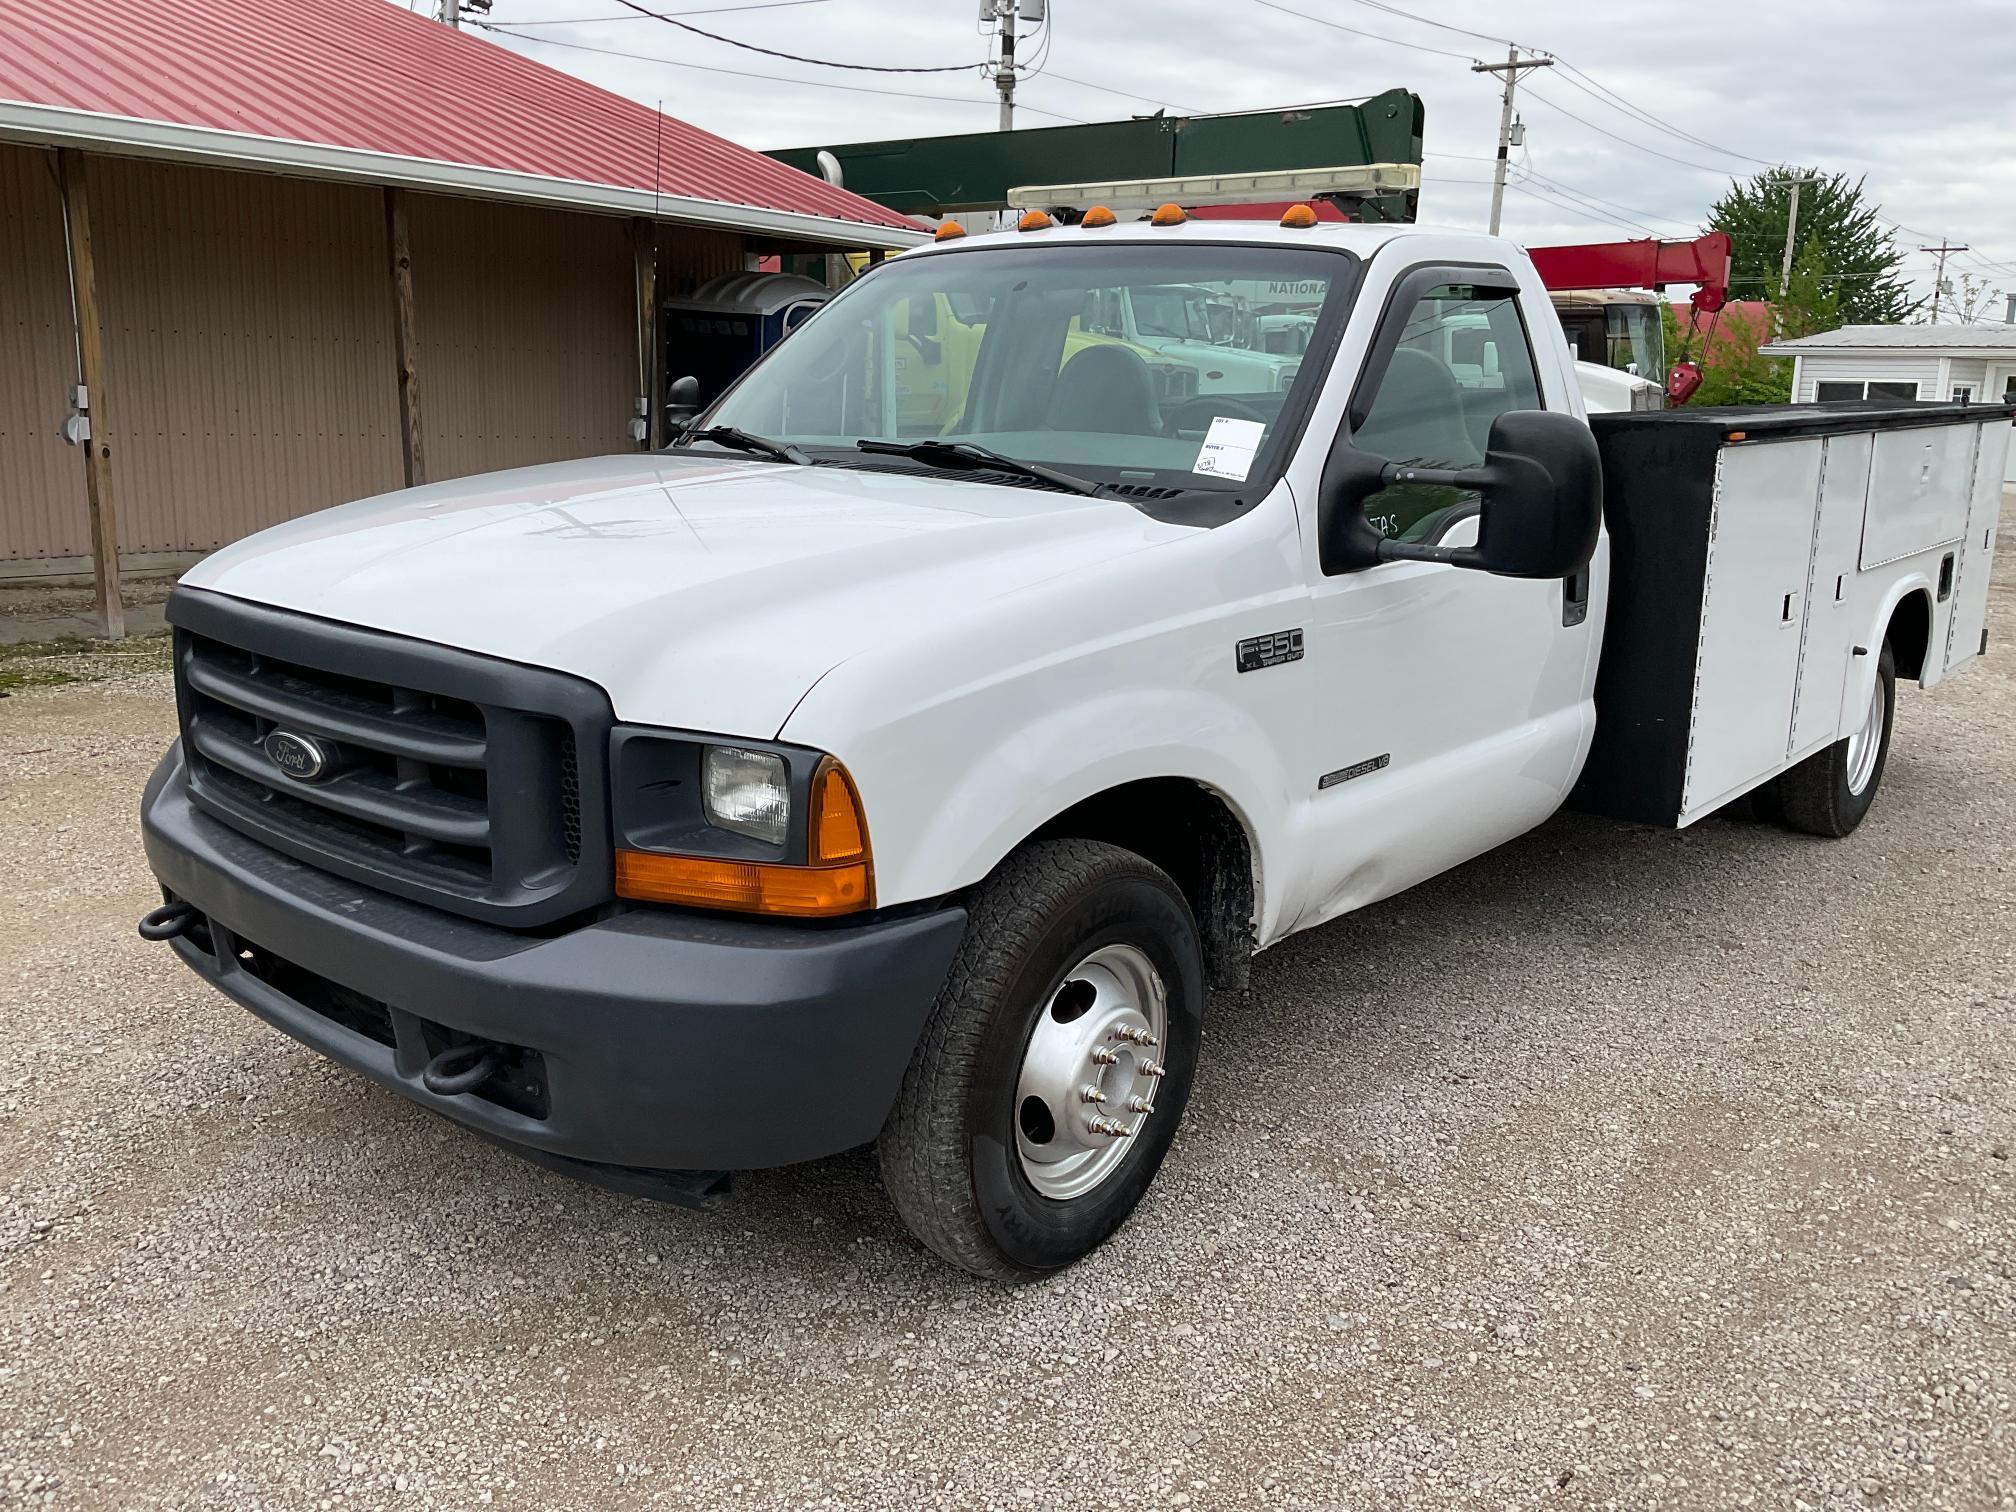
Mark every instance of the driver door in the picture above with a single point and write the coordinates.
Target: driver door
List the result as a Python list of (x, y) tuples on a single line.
[(1457, 703)]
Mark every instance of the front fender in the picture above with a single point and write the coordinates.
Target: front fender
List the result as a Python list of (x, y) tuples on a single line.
[(936, 827)]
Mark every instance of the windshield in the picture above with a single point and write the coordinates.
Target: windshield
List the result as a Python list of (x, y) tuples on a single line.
[(1123, 363), (1636, 342)]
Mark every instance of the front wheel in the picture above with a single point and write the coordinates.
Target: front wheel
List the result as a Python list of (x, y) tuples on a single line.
[(1829, 792), (1055, 1065)]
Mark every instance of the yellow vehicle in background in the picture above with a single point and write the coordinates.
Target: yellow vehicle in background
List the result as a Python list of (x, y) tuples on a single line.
[(938, 344)]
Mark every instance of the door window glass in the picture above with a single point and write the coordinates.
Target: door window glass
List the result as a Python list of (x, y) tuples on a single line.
[(1463, 360)]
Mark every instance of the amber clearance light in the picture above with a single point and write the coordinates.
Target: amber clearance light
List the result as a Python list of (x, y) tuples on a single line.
[(838, 877)]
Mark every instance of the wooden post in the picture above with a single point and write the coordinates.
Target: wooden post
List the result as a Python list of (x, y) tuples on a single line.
[(412, 439), (73, 180), (650, 375)]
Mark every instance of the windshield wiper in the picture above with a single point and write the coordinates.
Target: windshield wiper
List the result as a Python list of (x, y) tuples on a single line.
[(964, 456), (736, 439)]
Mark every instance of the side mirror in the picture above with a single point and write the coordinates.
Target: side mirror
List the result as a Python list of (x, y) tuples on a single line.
[(682, 401), (1541, 504)]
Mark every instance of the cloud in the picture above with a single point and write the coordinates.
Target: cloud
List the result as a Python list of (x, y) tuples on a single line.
[(1914, 96)]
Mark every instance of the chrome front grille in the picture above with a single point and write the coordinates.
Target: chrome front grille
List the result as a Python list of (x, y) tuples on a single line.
[(447, 777)]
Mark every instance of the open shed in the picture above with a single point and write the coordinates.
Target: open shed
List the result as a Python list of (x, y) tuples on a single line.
[(274, 260)]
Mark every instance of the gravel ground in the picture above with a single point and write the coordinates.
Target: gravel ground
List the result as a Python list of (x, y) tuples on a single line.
[(1619, 1168)]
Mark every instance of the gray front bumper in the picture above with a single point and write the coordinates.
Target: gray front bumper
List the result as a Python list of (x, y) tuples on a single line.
[(670, 1041)]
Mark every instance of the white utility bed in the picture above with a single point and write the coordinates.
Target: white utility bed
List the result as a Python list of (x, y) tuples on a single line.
[(1756, 556)]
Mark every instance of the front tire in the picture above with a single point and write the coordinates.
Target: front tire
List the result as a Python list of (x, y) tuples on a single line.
[(1829, 792), (1081, 973)]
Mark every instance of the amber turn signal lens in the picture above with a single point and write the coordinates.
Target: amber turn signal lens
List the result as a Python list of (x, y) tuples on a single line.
[(1299, 217), (840, 878), (948, 231), (837, 832), (798, 892), (1034, 220), (1168, 215), (1098, 216)]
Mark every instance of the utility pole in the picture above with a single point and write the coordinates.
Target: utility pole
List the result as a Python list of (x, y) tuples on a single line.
[(451, 12), (1791, 241), (1001, 16), (1511, 69), (1939, 278)]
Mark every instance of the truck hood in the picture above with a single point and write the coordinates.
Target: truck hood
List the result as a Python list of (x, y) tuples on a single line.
[(704, 594)]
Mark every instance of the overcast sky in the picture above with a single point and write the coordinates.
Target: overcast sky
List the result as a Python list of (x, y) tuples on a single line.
[(1915, 94)]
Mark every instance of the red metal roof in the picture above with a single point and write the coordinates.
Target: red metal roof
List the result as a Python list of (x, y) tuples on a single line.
[(369, 76)]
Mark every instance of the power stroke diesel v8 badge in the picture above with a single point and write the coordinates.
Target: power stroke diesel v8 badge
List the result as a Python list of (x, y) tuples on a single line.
[(1260, 651)]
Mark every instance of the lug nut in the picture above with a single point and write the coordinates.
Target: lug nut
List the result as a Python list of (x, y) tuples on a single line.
[(1091, 1094), (1104, 1057), (1152, 1068), (1137, 1035), (1112, 1128), (1140, 1105)]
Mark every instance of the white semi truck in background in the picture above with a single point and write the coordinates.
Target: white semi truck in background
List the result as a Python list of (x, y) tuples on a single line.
[(831, 778)]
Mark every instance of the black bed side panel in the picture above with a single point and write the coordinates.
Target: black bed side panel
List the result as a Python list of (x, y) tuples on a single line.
[(1658, 498)]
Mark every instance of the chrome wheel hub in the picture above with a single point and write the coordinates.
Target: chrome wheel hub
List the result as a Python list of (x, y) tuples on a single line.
[(1091, 1071), (1866, 743)]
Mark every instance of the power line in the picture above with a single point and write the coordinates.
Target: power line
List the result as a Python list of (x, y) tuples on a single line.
[(771, 52), (712, 10), (1616, 213), (1597, 214), (1440, 52), (1640, 146), (503, 28), (1394, 10), (1124, 94), (1607, 96), (1553, 183)]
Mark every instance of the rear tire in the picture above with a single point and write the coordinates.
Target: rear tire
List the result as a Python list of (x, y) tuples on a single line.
[(1829, 792), (1060, 941)]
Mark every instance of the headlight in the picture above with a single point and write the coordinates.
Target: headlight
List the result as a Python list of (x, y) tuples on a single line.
[(746, 791), (755, 827)]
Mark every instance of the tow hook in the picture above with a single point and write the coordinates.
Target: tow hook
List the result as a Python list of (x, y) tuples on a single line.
[(168, 921), (460, 1068)]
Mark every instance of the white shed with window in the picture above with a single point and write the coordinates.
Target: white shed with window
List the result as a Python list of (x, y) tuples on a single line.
[(1943, 362)]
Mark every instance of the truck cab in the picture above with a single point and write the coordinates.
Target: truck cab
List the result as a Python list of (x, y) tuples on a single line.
[(929, 763)]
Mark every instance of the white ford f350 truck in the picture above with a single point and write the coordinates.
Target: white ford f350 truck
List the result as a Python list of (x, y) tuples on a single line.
[(812, 783)]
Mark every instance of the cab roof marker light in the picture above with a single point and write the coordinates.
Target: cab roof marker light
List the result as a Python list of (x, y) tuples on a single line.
[(1034, 220), (1168, 215), (948, 231), (1098, 216), (1142, 196), (1299, 217)]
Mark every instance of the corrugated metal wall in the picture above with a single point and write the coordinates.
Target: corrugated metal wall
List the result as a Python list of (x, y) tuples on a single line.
[(248, 349), (249, 345), (41, 479), (527, 333)]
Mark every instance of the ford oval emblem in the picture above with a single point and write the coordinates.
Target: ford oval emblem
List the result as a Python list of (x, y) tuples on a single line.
[(302, 757)]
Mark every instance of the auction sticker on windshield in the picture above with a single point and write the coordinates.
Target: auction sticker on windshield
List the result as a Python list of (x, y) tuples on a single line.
[(1228, 448)]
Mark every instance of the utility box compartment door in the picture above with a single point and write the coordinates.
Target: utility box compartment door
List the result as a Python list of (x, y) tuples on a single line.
[(1977, 550), (1918, 489), (1831, 600), (1760, 556)]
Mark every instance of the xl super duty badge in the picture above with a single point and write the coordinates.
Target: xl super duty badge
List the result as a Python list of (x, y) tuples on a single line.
[(1270, 650)]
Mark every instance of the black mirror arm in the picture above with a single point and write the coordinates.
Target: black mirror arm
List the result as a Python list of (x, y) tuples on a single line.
[(1474, 479)]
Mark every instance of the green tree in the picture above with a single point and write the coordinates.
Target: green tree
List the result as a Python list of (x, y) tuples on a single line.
[(1859, 262), (1810, 302), (1736, 372)]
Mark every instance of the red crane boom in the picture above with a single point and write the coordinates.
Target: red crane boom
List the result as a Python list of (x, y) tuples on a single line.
[(1649, 265)]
